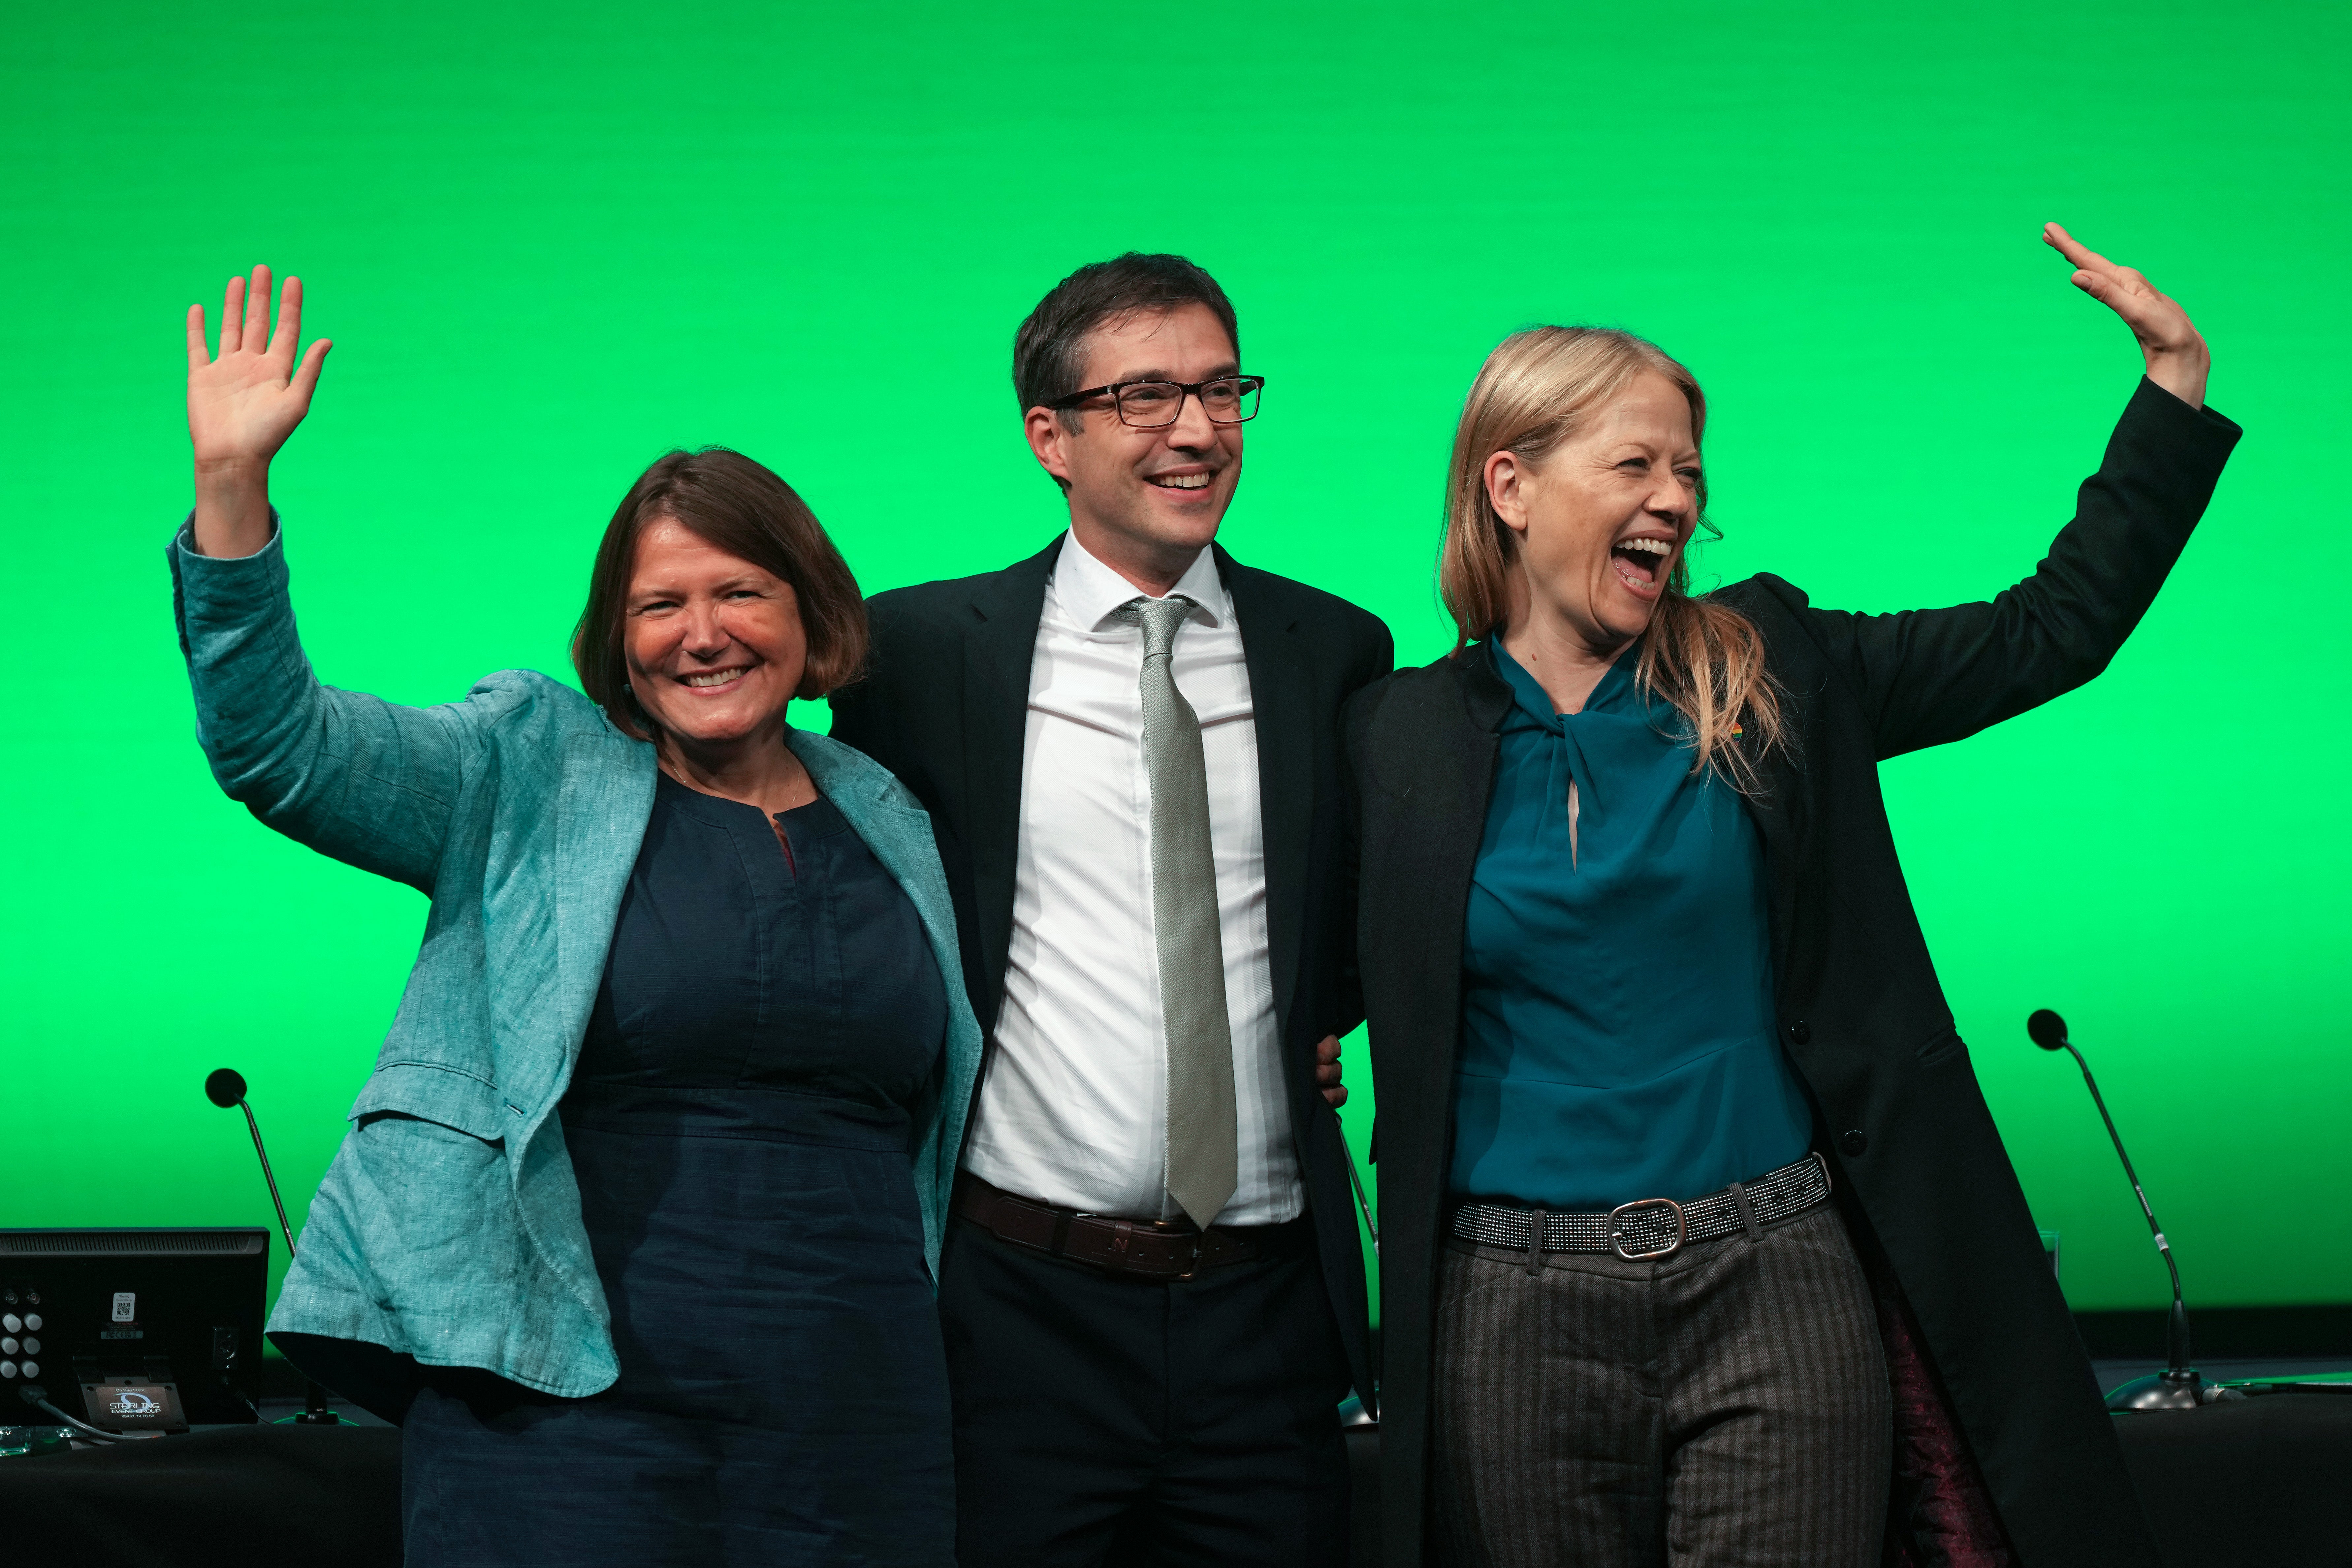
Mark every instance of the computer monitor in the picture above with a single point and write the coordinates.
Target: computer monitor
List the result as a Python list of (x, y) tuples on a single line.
[(135, 1330)]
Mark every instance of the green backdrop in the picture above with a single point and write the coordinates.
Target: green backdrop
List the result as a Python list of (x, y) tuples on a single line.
[(552, 241)]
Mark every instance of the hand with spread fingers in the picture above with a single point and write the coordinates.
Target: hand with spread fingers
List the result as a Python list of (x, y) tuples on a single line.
[(2178, 359), (243, 403)]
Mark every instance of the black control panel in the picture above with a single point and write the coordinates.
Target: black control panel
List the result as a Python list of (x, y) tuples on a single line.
[(22, 1324), (133, 1329)]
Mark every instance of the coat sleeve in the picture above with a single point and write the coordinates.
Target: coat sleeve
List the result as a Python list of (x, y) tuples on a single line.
[(1927, 677), (368, 782)]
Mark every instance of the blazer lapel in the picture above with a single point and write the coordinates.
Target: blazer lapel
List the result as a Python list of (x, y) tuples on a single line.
[(998, 651), (898, 832), (600, 809), (1282, 696), (1485, 701), (1434, 771)]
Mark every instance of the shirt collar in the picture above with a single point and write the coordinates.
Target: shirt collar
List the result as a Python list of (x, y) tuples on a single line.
[(1091, 593), (1615, 689)]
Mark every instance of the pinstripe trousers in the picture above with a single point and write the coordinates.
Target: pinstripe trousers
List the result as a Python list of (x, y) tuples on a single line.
[(1724, 1407)]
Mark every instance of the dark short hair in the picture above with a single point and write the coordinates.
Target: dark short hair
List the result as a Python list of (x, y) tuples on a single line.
[(744, 509), (1048, 351)]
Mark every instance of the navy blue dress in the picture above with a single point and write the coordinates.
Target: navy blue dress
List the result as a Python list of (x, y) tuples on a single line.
[(770, 1025)]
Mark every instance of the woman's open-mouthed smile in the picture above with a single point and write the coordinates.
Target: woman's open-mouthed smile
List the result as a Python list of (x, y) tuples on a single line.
[(1604, 519), (1642, 561)]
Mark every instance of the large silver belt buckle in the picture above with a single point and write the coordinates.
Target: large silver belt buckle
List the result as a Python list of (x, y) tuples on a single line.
[(1617, 1234)]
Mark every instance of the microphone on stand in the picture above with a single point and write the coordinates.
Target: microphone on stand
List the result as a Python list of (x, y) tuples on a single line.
[(224, 1086), (2177, 1386)]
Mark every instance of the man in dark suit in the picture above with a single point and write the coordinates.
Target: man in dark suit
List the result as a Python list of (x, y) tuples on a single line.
[(1152, 1293)]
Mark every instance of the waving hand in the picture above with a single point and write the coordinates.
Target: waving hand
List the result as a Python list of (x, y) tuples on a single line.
[(242, 405), (2178, 359)]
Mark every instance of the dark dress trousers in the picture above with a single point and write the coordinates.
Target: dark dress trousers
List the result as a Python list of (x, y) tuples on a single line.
[(946, 708), (1927, 1184)]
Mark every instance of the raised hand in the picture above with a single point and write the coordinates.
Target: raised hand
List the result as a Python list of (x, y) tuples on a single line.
[(2178, 359), (242, 405)]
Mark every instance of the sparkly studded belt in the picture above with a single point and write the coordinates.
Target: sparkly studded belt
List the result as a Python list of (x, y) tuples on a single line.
[(1650, 1227)]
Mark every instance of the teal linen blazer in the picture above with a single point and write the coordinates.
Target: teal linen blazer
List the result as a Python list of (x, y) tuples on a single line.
[(450, 1228)]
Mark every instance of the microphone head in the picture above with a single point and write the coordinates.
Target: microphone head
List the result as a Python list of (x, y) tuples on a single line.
[(2048, 1029), (225, 1086)]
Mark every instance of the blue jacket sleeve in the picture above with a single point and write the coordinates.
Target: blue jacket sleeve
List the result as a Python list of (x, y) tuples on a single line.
[(370, 782)]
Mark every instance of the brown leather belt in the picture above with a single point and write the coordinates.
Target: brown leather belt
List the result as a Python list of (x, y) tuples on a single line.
[(1150, 1249)]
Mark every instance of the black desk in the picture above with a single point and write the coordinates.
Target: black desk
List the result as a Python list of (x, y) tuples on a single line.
[(2250, 1483), (328, 1496), (2254, 1482)]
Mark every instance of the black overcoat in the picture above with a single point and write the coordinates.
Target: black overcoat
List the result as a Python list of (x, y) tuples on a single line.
[(1899, 1115), (945, 706)]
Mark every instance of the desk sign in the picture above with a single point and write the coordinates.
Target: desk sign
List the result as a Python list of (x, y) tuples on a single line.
[(134, 1405)]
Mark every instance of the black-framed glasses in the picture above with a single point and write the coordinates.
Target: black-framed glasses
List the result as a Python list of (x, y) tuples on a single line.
[(1154, 405)]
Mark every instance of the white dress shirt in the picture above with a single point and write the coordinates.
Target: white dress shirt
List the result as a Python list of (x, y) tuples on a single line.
[(1074, 1111)]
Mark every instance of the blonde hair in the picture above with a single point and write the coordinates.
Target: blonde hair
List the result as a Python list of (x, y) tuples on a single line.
[(1537, 390)]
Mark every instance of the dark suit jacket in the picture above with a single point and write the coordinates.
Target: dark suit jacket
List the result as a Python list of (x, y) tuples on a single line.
[(1915, 1155), (946, 707)]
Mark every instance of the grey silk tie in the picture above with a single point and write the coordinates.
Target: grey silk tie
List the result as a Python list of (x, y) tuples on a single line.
[(1201, 1140)]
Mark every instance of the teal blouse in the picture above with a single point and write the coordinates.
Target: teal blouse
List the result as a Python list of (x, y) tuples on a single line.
[(1617, 1022)]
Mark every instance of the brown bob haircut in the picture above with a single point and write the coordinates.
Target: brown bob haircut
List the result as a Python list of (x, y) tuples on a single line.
[(734, 503)]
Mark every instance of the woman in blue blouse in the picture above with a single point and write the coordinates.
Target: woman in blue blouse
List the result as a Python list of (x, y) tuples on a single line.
[(636, 1225), (1699, 1246)]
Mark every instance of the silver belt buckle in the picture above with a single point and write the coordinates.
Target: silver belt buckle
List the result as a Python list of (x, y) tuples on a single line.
[(1617, 1238)]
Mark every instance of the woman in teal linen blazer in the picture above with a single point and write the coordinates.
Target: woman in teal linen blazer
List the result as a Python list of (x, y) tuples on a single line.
[(519, 813)]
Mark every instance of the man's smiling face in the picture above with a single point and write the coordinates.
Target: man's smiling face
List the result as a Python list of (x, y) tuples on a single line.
[(1146, 500)]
